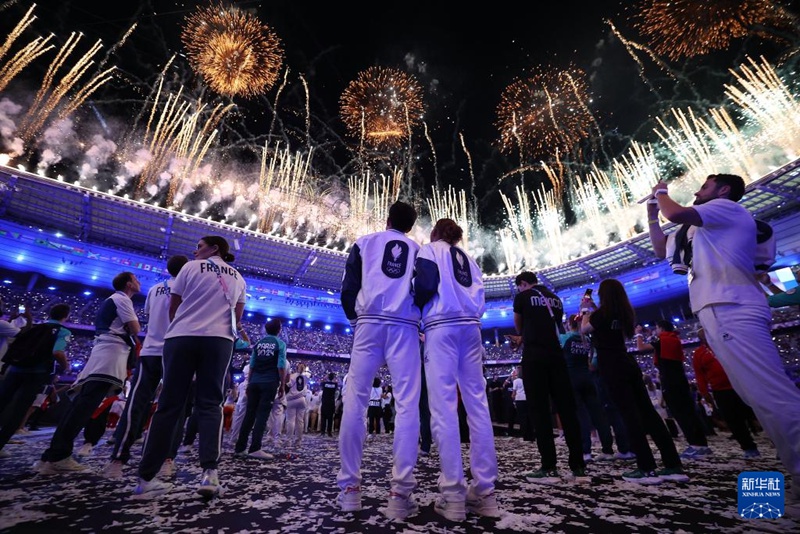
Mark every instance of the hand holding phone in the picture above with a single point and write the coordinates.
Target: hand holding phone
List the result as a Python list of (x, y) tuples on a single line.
[(21, 309)]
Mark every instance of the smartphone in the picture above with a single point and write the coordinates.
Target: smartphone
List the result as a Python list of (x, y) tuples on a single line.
[(21, 309), (588, 293)]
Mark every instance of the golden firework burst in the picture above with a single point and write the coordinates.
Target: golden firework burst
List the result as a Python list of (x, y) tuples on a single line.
[(381, 107), (234, 52), (544, 113), (688, 28)]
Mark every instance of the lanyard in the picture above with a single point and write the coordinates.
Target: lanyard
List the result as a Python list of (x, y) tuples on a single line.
[(557, 323), (224, 287)]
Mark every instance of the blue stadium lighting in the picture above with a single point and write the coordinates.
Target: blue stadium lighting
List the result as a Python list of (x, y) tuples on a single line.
[(20, 257), (87, 293), (6, 281), (94, 277), (249, 314), (51, 288), (676, 320), (347, 330), (58, 234), (291, 322), (308, 324), (61, 269), (327, 327), (503, 313), (76, 365), (486, 342)]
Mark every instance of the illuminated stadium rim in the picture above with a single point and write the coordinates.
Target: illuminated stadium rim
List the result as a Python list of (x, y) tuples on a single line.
[(154, 233)]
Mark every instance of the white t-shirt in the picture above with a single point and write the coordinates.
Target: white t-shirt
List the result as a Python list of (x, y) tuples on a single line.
[(297, 386), (205, 310), (7, 331), (519, 390), (723, 257), (156, 306)]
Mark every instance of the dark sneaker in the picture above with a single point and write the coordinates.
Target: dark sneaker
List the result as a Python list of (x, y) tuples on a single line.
[(543, 476), (675, 474), (580, 476), (637, 476)]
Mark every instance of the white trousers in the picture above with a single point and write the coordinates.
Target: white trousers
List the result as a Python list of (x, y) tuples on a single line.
[(238, 417), (295, 418), (741, 339), (454, 356), (397, 347)]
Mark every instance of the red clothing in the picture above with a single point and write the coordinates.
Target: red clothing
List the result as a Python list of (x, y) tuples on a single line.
[(708, 371), (668, 347)]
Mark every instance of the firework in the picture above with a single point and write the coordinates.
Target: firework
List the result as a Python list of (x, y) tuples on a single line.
[(551, 221), (178, 131), (232, 50), (51, 94), (283, 190), (369, 202), (451, 204), (381, 107), (520, 229), (544, 113), (768, 104), (638, 171), (688, 28), (23, 57)]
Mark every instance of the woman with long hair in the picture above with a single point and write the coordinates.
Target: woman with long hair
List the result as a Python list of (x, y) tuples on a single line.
[(610, 325)]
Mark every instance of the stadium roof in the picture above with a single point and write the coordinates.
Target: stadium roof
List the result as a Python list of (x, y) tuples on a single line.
[(93, 217)]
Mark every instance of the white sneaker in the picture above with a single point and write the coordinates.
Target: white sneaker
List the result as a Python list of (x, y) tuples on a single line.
[(85, 450), (400, 507), (209, 485), (349, 499), (261, 455), (454, 511), (67, 465), (22, 432), (167, 469), (148, 489), (486, 506), (113, 469)]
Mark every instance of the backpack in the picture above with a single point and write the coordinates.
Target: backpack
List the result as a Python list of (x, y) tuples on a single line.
[(679, 250), (33, 346)]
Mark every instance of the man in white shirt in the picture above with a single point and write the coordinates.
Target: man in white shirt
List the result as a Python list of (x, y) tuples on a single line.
[(115, 326), (148, 370), (521, 405), (732, 308)]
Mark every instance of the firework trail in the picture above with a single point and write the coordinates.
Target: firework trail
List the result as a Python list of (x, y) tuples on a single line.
[(48, 97), (433, 153), (451, 204), (768, 103), (551, 220)]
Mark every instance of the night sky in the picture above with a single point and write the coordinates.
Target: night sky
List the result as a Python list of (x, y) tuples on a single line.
[(463, 56)]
